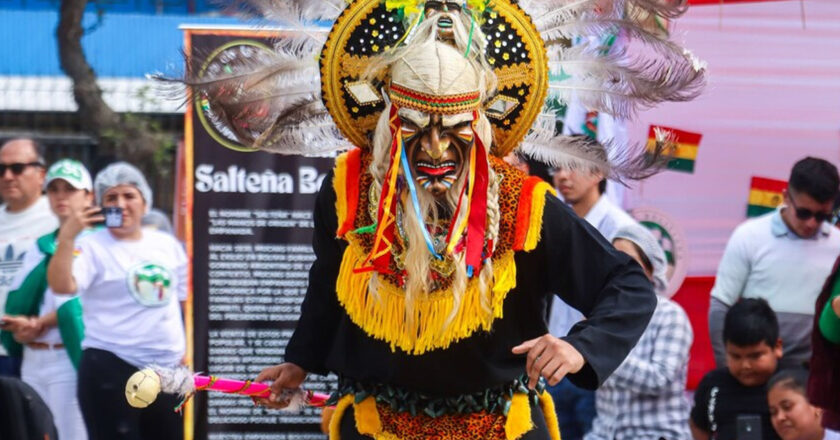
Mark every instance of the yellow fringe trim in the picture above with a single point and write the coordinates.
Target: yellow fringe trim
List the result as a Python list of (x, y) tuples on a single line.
[(550, 415), (367, 417), (537, 208), (327, 413), (335, 421), (339, 184), (383, 316), (519, 417)]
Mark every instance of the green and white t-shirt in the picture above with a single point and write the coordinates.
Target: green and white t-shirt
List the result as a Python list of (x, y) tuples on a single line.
[(18, 231)]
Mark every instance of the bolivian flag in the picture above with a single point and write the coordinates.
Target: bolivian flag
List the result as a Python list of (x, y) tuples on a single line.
[(765, 195), (686, 143)]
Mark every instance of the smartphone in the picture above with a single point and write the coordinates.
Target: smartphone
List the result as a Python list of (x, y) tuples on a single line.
[(113, 216), (748, 427)]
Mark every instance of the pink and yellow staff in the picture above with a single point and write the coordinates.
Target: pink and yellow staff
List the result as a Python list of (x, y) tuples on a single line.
[(144, 386)]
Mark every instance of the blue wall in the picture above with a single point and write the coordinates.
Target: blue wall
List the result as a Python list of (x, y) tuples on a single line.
[(122, 45), (136, 6)]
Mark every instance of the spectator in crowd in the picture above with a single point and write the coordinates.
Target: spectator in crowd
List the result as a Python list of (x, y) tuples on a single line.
[(47, 366), (584, 191), (824, 381), (24, 217), (736, 394), (783, 257), (157, 220), (644, 398), (793, 417), (131, 280)]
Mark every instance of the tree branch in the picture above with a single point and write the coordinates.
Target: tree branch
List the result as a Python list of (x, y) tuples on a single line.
[(130, 138)]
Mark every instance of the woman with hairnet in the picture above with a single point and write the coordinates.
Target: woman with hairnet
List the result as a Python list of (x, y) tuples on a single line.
[(645, 397), (131, 280)]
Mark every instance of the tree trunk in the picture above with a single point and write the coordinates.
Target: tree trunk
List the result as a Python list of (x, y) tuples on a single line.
[(129, 138)]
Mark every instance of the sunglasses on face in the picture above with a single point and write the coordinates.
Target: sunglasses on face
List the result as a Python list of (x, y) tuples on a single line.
[(807, 214), (17, 168)]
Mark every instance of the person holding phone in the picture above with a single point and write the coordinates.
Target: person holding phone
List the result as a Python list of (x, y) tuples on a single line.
[(131, 281), (731, 403), (38, 323)]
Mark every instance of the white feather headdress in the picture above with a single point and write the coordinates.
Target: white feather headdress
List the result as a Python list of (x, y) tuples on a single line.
[(596, 51)]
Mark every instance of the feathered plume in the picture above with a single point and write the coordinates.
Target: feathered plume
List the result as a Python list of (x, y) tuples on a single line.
[(600, 54), (621, 163), (270, 100), (294, 13), (548, 13), (620, 84)]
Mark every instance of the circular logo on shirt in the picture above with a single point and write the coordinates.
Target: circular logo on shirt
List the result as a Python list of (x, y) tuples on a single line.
[(672, 240), (150, 284)]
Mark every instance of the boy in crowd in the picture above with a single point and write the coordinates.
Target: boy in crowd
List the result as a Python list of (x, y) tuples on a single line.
[(733, 400)]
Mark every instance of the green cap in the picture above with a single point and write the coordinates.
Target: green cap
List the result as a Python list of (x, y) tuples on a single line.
[(71, 171)]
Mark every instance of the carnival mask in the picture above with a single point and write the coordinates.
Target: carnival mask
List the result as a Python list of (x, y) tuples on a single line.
[(444, 10), (437, 147)]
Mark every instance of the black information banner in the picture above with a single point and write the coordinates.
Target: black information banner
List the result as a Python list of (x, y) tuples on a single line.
[(251, 242)]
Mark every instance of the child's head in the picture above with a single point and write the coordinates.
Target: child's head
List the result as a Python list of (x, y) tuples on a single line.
[(751, 338), (793, 417)]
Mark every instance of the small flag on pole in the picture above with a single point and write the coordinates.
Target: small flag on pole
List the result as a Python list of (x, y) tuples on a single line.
[(765, 195), (685, 151)]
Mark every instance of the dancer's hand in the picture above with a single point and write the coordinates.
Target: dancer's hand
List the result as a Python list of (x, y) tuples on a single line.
[(286, 376), (835, 304), (549, 357)]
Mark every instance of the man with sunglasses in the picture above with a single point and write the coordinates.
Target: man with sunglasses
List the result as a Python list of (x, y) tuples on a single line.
[(784, 257), (24, 216)]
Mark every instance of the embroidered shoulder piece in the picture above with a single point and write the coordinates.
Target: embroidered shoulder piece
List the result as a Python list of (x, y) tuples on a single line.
[(382, 314)]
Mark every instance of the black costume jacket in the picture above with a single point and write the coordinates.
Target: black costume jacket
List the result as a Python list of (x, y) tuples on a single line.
[(571, 260)]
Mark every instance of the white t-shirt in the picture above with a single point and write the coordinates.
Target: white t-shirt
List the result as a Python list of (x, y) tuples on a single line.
[(18, 231), (130, 292), (608, 218)]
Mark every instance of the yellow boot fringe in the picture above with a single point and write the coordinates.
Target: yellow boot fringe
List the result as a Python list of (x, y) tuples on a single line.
[(367, 417), (535, 220), (383, 316), (519, 417), (335, 421), (550, 415)]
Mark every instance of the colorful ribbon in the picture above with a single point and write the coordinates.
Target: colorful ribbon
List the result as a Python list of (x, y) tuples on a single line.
[(413, 191)]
